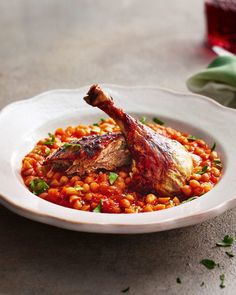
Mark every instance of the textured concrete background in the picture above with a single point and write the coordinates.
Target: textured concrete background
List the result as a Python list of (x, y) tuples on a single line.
[(67, 44)]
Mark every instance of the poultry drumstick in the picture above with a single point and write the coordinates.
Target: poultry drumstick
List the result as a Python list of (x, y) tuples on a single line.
[(161, 165)]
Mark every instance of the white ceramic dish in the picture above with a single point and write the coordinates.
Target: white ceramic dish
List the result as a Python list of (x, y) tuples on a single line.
[(24, 123)]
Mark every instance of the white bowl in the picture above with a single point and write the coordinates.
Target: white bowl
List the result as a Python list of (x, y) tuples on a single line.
[(24, 123)]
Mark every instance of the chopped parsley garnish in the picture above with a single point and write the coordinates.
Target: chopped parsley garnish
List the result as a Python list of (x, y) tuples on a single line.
[(50, 140), (226, 242), (125, 290), (178, 280), (189, 200), (222, 280), (204, 170), (136, 209), (143, 120), (78, 187), (38, 151), (208, 263), (38, 186), (218, 163), (75, 145), (102, 120), (47, 151), (191, 138), (112, 177), (95, 124), (158, 121), (98, 209), (230, 254), (213, 147)]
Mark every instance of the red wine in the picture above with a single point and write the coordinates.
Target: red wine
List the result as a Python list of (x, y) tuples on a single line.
[(221, 23)]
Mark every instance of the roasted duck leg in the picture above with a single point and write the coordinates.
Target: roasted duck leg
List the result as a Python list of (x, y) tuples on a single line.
[(90, 153), (161, 165)]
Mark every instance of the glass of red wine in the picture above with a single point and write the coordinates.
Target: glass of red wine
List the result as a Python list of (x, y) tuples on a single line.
[(221, 23)]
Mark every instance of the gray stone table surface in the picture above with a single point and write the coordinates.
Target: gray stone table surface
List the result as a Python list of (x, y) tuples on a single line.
[(68, 44)]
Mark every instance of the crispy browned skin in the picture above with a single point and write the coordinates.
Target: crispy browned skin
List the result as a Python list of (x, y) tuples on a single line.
[(162, 165), (108, 151)]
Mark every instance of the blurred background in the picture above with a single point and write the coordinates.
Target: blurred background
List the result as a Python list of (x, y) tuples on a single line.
[(68, 44)]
